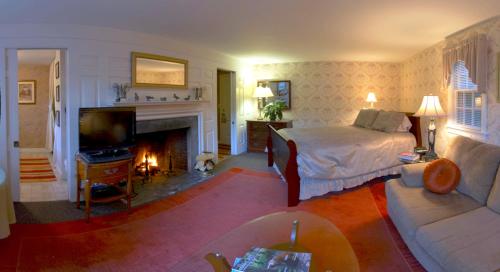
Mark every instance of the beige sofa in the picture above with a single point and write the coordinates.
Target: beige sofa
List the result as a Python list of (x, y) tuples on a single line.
[(459, 231)]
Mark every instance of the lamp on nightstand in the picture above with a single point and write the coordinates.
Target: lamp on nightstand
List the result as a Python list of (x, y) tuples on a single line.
[(261, 93), (371, 98), (431, 108)]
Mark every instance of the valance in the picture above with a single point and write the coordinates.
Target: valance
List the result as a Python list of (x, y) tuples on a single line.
[(474, 53)]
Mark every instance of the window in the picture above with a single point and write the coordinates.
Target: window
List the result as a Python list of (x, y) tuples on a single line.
[(468, 112)]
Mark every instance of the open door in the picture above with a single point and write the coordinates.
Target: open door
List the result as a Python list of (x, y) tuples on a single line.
[(12, 124)]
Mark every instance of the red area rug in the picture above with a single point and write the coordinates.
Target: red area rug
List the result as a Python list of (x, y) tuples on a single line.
[(157, 236)]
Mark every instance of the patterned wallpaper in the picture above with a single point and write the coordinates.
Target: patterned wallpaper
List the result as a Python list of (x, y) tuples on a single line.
[(332, 93), (33, 117), (492, 30), (422, 74)]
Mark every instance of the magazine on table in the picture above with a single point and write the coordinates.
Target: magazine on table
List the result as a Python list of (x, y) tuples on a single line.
[(262, 259)]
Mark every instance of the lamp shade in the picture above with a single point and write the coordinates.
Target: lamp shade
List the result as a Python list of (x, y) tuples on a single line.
[(430, 107), (263, 92), (371, 98)]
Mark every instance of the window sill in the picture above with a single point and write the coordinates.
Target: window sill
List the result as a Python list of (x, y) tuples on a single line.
[(470, 133)]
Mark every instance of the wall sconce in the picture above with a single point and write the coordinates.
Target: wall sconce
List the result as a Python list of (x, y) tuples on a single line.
[(261, 93), (371, 98)]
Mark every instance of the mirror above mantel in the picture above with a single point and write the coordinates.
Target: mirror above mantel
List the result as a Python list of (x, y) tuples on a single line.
[(155, 71)]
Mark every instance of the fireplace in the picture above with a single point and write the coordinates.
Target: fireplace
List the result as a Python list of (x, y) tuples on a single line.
[(166, 146)]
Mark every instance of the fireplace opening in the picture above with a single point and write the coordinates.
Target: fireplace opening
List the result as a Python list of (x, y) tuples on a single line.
[(161, 153)]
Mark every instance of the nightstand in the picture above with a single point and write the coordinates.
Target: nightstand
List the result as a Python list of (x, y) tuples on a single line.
[(257, 132)]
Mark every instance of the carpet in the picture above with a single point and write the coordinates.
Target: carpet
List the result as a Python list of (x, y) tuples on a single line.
[(36, 170), (162, 234)]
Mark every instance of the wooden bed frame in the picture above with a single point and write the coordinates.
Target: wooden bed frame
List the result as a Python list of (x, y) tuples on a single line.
[(283, 153)]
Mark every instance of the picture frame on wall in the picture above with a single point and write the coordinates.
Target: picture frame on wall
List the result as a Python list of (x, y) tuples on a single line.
[(282, 91), (57, 70), (58, 94), (58, 118), (26, 92)]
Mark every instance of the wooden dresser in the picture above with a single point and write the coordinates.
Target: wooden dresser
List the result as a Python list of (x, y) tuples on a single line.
[(257, 133)]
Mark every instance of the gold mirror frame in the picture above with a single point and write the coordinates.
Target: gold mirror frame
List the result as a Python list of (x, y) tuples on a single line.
[(136, 55)]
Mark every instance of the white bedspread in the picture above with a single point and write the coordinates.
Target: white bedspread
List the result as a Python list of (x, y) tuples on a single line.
[(334, 158)]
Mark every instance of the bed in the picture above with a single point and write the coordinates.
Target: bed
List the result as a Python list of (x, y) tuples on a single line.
[(315, 161)]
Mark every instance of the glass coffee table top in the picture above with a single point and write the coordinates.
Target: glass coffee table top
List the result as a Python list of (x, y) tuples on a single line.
[(330, 249)]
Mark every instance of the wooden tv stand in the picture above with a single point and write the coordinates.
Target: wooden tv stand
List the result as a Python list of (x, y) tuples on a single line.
[(111, 173)]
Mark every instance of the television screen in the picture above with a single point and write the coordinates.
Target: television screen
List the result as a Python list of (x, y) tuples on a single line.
[(106, 128)]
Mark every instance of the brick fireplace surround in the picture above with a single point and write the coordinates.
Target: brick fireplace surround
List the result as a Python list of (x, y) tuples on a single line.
[(174, 125)]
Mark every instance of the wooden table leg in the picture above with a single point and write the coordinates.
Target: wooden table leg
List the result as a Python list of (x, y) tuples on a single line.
[(87, 199), (129, 186)]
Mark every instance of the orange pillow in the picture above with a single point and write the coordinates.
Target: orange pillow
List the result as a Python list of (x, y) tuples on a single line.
[(441, 176)]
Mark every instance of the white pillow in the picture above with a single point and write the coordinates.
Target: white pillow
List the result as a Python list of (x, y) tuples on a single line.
[(405, 125)]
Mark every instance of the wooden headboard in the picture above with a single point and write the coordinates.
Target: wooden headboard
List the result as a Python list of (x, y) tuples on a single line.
[(415, 127)]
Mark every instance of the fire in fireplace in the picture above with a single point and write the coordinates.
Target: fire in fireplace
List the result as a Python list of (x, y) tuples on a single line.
[(161, 153)]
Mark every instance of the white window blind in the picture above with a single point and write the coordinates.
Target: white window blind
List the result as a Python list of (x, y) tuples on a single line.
[(468, 101)]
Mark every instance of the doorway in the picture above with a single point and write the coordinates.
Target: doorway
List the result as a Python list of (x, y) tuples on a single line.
[(39, 119), (225, 82)]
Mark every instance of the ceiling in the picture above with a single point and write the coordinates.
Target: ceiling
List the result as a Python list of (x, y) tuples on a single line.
[(36, 56), (273, 31)]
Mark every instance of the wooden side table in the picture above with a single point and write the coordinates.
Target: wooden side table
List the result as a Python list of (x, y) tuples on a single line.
[(110, 173), (257, 133)]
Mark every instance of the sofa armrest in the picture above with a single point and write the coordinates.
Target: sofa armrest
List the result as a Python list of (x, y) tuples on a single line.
[(412, 174)]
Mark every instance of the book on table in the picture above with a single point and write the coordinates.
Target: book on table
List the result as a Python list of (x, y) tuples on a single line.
[(408, 157), (262, 259)]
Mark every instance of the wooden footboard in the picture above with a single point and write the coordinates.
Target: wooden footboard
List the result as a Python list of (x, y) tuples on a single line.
[(283, 153)]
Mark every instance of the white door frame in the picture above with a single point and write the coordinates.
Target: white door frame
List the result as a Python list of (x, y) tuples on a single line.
[(12, 108), (9, 121), (234, 121)]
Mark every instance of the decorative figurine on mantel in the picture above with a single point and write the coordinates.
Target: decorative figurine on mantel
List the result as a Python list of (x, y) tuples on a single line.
[(121, 91), (197, 93), (136, 97), (150, 98), (176, 97), (187, 98), (163, 99)]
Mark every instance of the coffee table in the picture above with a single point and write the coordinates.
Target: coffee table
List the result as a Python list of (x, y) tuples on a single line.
[(330, 249)]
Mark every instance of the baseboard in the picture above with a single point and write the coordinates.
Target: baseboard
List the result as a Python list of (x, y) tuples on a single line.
[(34, 150)]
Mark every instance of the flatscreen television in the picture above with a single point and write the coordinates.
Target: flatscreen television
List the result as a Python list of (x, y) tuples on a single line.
[(106, 129)]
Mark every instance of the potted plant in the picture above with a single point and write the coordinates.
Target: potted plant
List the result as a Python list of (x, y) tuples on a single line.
[(274, 110)]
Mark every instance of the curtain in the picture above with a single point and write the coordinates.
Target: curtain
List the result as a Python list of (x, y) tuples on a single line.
[(49, 137), (474, 53)]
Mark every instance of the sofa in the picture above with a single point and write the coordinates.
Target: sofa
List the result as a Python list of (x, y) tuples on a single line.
[(458, 231)]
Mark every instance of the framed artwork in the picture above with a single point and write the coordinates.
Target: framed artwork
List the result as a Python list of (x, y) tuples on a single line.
[(57, 70), (26, 92), (58, 95), (282, 90), (58, 118)]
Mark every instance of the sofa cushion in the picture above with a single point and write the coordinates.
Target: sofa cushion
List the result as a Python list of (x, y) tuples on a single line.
[(415, 207), (413, 174), (466, 242), (458, 147), (365, 118), (441, 176), (479, 167), (494, 198)]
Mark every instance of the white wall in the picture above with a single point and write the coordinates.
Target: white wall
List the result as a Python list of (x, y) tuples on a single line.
[(98, 57)]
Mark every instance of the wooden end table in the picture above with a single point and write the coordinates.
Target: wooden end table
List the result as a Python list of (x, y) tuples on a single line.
[(110, 173)]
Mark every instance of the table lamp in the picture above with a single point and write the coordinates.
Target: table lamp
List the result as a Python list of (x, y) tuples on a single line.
[(431, 108), (261, 93), (371, 98)]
